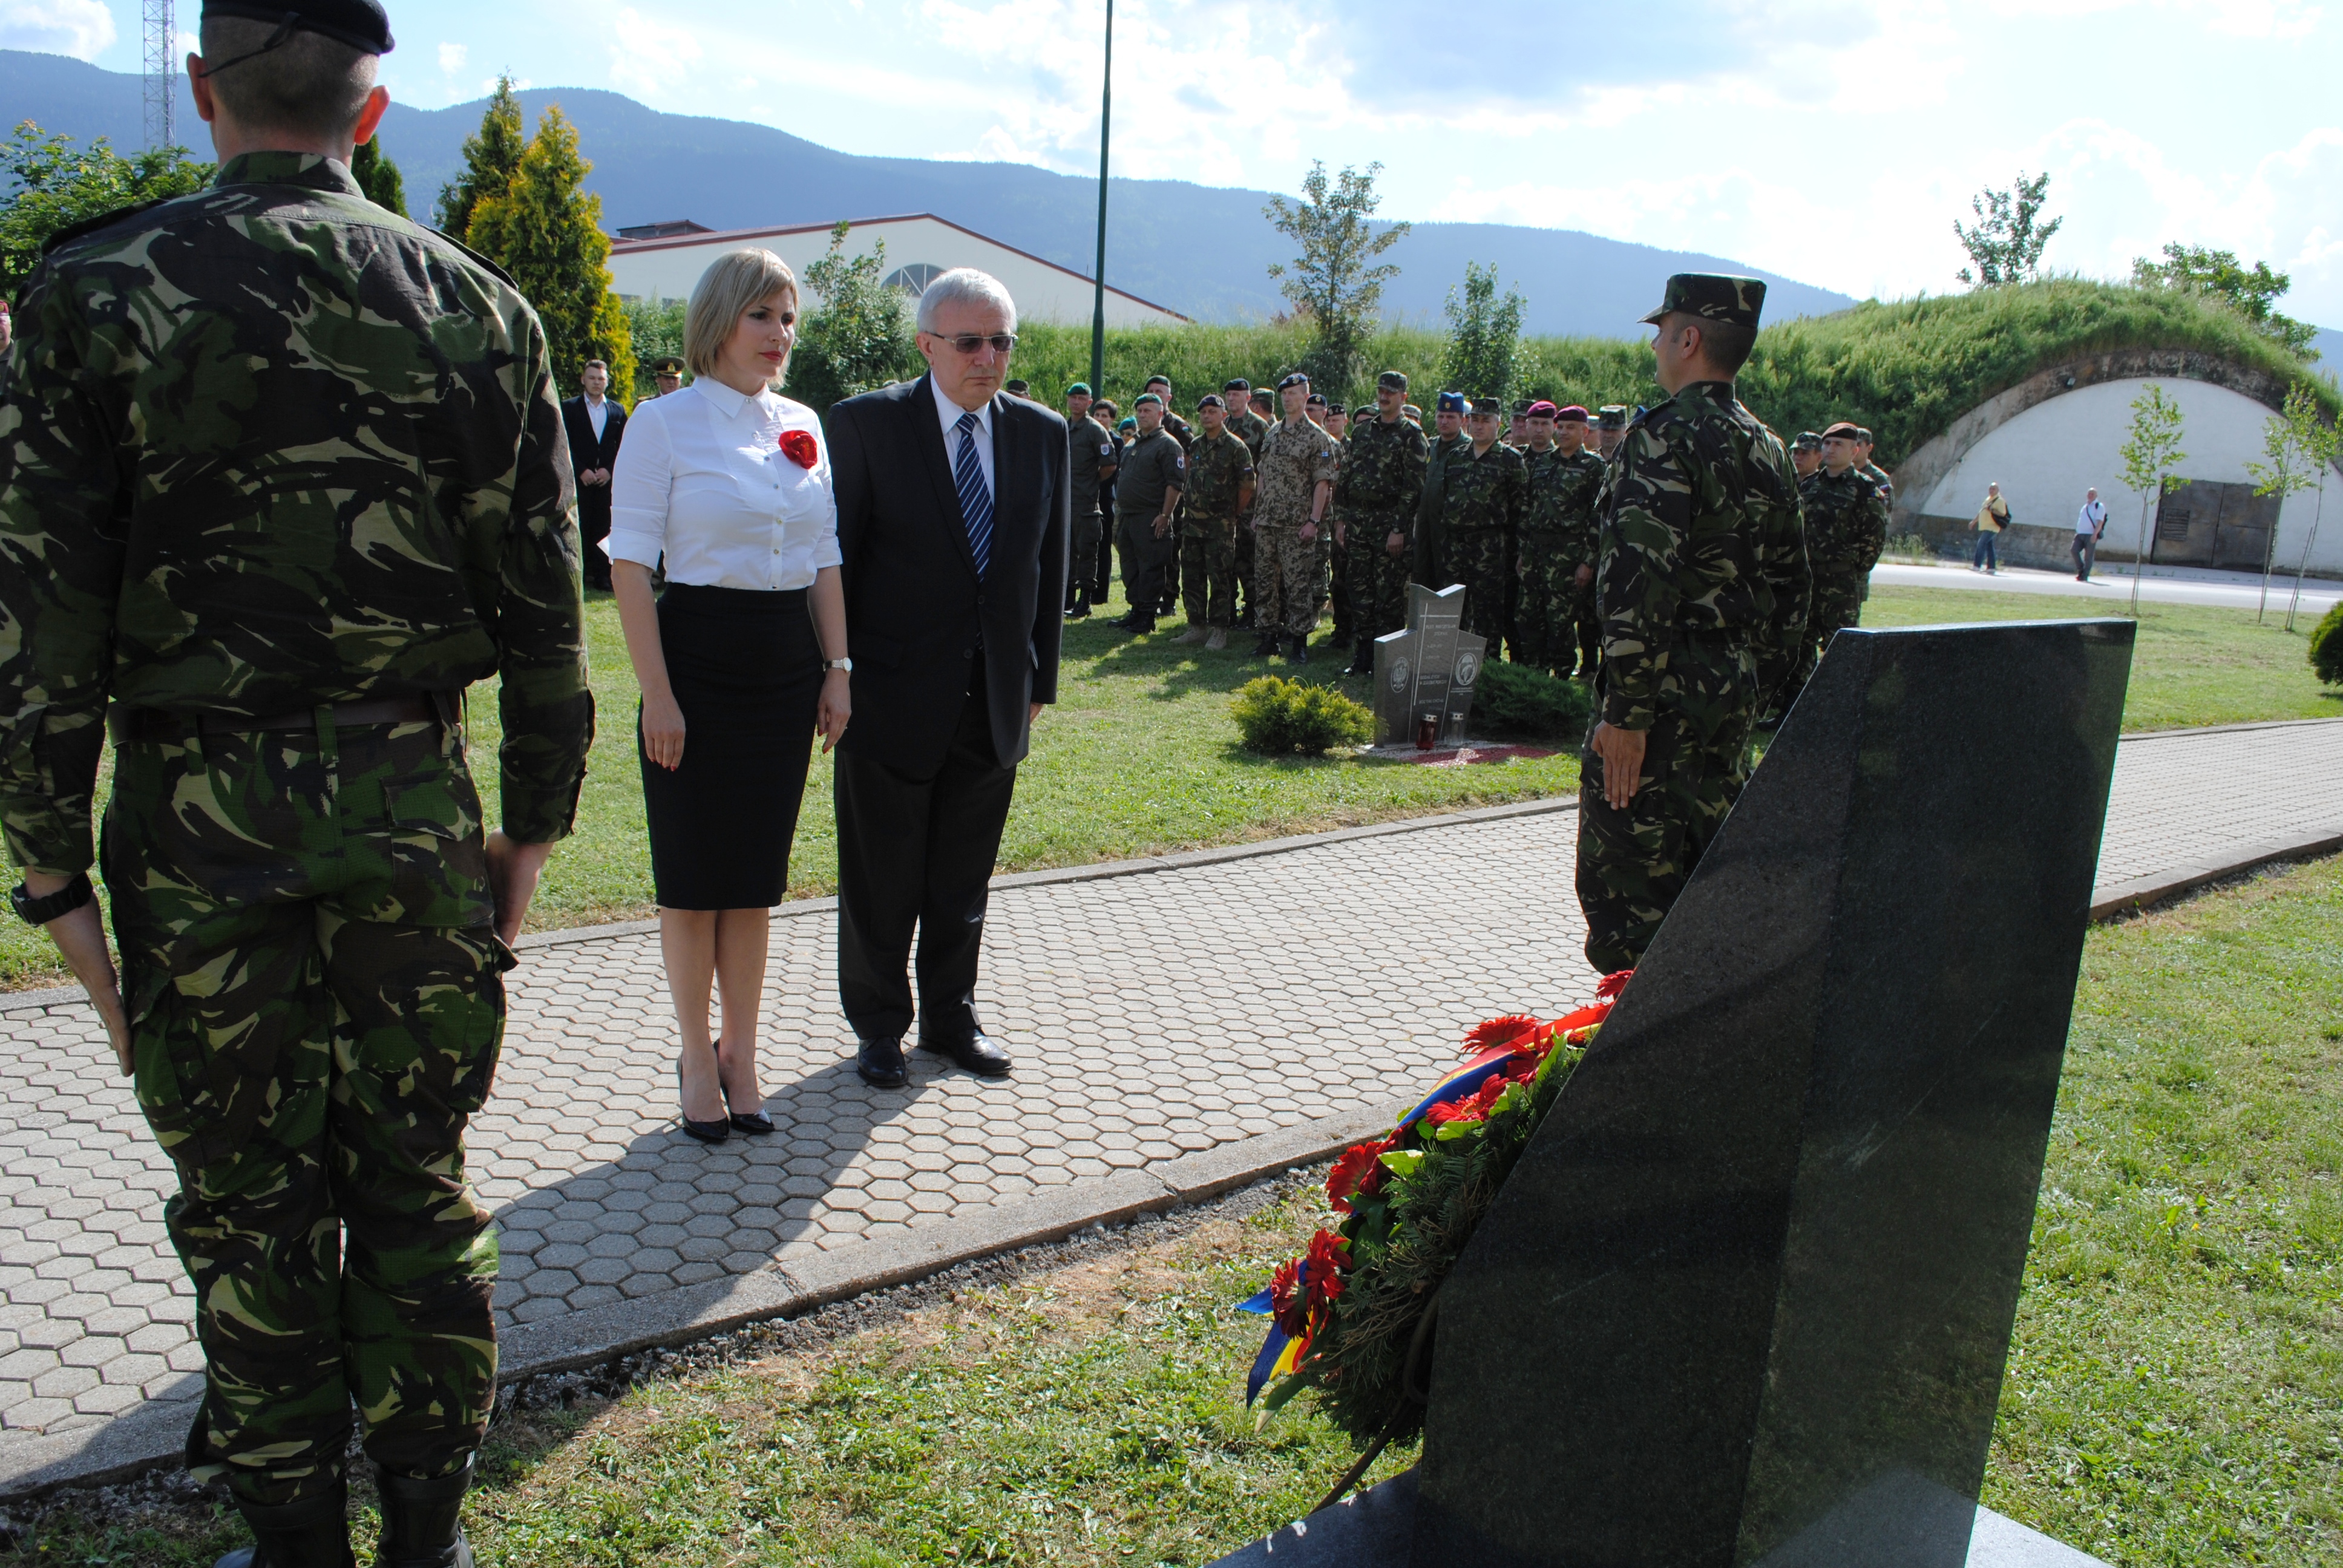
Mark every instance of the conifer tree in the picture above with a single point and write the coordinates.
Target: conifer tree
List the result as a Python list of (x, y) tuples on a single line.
[(547, 231), (379, 177), (492, 159)]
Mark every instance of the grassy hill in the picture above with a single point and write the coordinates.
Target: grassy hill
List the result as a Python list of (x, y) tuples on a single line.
[(1907, 368)]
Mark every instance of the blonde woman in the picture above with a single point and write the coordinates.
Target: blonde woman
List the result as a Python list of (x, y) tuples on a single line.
[(1990, 519), (741, 659)]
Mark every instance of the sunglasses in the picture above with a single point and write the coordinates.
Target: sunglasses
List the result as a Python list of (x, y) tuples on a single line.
[(968, 343)]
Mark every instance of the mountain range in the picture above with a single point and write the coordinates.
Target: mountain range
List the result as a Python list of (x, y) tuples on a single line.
[(1201, 250)]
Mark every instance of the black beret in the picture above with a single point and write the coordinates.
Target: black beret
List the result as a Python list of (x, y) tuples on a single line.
[(360, 23), (1318, 398), (1295, 379), (1210, 400), (1238, 385)]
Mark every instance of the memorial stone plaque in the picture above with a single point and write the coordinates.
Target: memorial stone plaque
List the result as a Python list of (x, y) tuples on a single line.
[(1747, 1299), (1428, 670)]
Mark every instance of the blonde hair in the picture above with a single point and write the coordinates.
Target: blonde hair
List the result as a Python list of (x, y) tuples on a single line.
[(732, 282)]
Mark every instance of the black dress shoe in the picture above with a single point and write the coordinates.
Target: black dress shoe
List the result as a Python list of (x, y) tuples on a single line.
[(880, 1063), (975, 1054)]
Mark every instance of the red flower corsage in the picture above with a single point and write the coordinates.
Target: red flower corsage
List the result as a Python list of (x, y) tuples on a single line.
[(799, 447)]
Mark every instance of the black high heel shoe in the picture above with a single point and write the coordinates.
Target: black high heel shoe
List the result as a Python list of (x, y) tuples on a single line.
[(755, 1123), (705, 1132)]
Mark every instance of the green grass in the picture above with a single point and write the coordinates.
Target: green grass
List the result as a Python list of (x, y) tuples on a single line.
[(2174, 1396)]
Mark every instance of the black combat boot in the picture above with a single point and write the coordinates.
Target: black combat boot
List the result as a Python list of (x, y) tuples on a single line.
[(423, 1520), (310, 1534), (1362, 658), (1078, 602), (1264, 645), (1300, 646)]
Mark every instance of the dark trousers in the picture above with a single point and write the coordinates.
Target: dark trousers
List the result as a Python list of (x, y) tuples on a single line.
[(918, 849), (593, 528), (1985, 560), (2086, 550)]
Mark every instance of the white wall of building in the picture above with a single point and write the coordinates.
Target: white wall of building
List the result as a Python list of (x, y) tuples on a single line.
[(2045, 458), (1042, 290)]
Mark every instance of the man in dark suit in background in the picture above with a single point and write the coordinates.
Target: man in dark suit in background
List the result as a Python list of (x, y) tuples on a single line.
[(953, 509), (594, 424)]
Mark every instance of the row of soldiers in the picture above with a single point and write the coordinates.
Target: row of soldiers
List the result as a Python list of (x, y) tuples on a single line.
[(1247, 518)]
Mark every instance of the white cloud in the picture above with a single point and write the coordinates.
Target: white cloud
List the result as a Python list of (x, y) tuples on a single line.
[(452, 57), (651, 58), (82, 28)]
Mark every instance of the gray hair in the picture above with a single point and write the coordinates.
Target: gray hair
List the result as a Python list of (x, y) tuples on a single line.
[(964, 285), (732, 282), (310, 84)]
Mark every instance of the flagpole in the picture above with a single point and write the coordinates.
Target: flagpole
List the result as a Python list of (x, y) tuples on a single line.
[(1098, 271)]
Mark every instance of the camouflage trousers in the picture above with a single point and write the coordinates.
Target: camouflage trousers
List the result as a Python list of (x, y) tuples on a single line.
[(316, 1000), (1837, 604), (1208, 571), (1244, 569), (1289, 574), (1483, 560), (1378, 578), (1632, 863), (1548, 605)]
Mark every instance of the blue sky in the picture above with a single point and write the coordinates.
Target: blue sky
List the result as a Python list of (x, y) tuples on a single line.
[(1831, 140)]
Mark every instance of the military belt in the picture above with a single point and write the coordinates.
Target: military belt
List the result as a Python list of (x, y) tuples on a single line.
[(126, 725)]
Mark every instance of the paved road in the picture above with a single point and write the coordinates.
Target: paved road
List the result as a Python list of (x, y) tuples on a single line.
[(1176, 1010), (2229, 590)]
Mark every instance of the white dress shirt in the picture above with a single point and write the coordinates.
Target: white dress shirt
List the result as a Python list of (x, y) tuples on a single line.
[(598, 414), (702, 479), (2088, 519), (948, 413)]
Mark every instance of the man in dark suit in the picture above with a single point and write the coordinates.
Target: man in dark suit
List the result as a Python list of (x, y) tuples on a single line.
[(594, 423), (953, 509)]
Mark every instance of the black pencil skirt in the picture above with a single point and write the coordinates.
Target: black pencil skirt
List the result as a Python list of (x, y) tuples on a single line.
[(747, 672)]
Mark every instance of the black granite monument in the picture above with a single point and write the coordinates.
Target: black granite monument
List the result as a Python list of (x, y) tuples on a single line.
[(1424, 675), (1746, 1300)]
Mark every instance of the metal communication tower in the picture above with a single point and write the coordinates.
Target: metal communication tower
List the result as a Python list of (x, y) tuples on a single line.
[(162, 34)]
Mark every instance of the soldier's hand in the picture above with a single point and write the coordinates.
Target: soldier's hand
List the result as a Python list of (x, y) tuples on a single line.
[(1621, 751), (1163, 527), (1340, 540), (1308, 531), (80, 937), (514, 869), (1397, 544), (663, 730), (1585, 575)]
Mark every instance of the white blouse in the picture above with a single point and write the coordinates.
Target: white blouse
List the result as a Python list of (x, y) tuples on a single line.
[(701, 478)]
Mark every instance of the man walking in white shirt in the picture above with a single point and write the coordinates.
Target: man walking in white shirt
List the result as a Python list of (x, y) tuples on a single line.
[(2089, 524)]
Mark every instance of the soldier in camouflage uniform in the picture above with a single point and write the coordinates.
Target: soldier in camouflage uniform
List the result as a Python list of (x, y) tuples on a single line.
[(1332, 589), (1806, 453), (1374, 516), (1293, 485), (1484, 491), (1610, 429), (1429, 564), (1557, 537), (1873, 471), (1701, 586), (281, 475), (1219, 488), (1846, 528), (1251, 428), (1089, 464)]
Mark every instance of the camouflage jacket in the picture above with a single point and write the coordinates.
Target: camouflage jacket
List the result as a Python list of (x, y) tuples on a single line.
[(1294, 459), (1089, 449), (1251, 429), (1878, 476), (1218, 468), (1383, 469), (1846, 523), (1701, 539), (265, 447), (1564, 491), (1490, 491)]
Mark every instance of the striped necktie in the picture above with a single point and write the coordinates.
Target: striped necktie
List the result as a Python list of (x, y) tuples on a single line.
[(975, 499)]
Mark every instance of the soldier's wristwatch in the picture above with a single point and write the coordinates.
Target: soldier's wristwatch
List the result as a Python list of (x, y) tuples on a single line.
[(35, 911)]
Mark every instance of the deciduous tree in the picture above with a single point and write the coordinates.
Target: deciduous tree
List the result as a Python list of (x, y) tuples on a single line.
[(2149, 457), (2006, 245), (2289, 469), (854, 333), (2253, 291), (547, 231), (1335, 283), (1484, 335), (54, 183)]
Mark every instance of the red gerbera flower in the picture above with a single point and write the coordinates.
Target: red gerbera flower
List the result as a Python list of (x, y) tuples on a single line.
[(1329, 1257), (1613, 983), (1358, 1173), (799, 447), (1498, 1031), (1287, 1306)]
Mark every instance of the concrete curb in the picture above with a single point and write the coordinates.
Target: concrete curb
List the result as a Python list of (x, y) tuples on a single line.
[(2143, 893), (155, 1434)]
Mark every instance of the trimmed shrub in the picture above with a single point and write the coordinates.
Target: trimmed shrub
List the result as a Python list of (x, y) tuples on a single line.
[(2327, 647), (1515, 702), (1279, 716)]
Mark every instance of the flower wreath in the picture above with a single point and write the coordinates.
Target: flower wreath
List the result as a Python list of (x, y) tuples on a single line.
[(1351, 1317)]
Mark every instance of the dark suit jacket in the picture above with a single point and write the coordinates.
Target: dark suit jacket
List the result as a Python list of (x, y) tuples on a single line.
[(585, 452), (914, 609)]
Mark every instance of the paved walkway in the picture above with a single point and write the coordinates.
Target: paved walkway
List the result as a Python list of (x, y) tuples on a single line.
[(1174, 1018), (2111, 585)]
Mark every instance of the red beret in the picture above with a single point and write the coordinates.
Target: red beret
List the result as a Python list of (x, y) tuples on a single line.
[(1540, 410), (1845, 428), (1573, 412)]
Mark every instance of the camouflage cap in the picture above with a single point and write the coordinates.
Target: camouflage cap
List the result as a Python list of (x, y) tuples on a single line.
[(1612, 417), (1807, 441), (360, 23), (1411, 412), (1395, 379), (1486, 406), (1714, 296)]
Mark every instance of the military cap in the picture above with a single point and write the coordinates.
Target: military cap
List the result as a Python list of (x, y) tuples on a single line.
[(1807, 441), (1412, 412), (1315, 399), (1338, 408), (1210, 400), (1296, 379), (1846, 428), (1540, 410), (1127, 423), (666, 364), (1486, 406), (1573, 412), (1084, 388), (1450, 402), (1147, 398), (1714, 296), (1394, 379), (1236, 384), (1861, 434), (360, 23), (1614, 417), (1017, 389), (1159, 376)]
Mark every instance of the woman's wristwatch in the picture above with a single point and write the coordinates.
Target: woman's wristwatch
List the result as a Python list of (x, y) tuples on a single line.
[(845, 664)]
